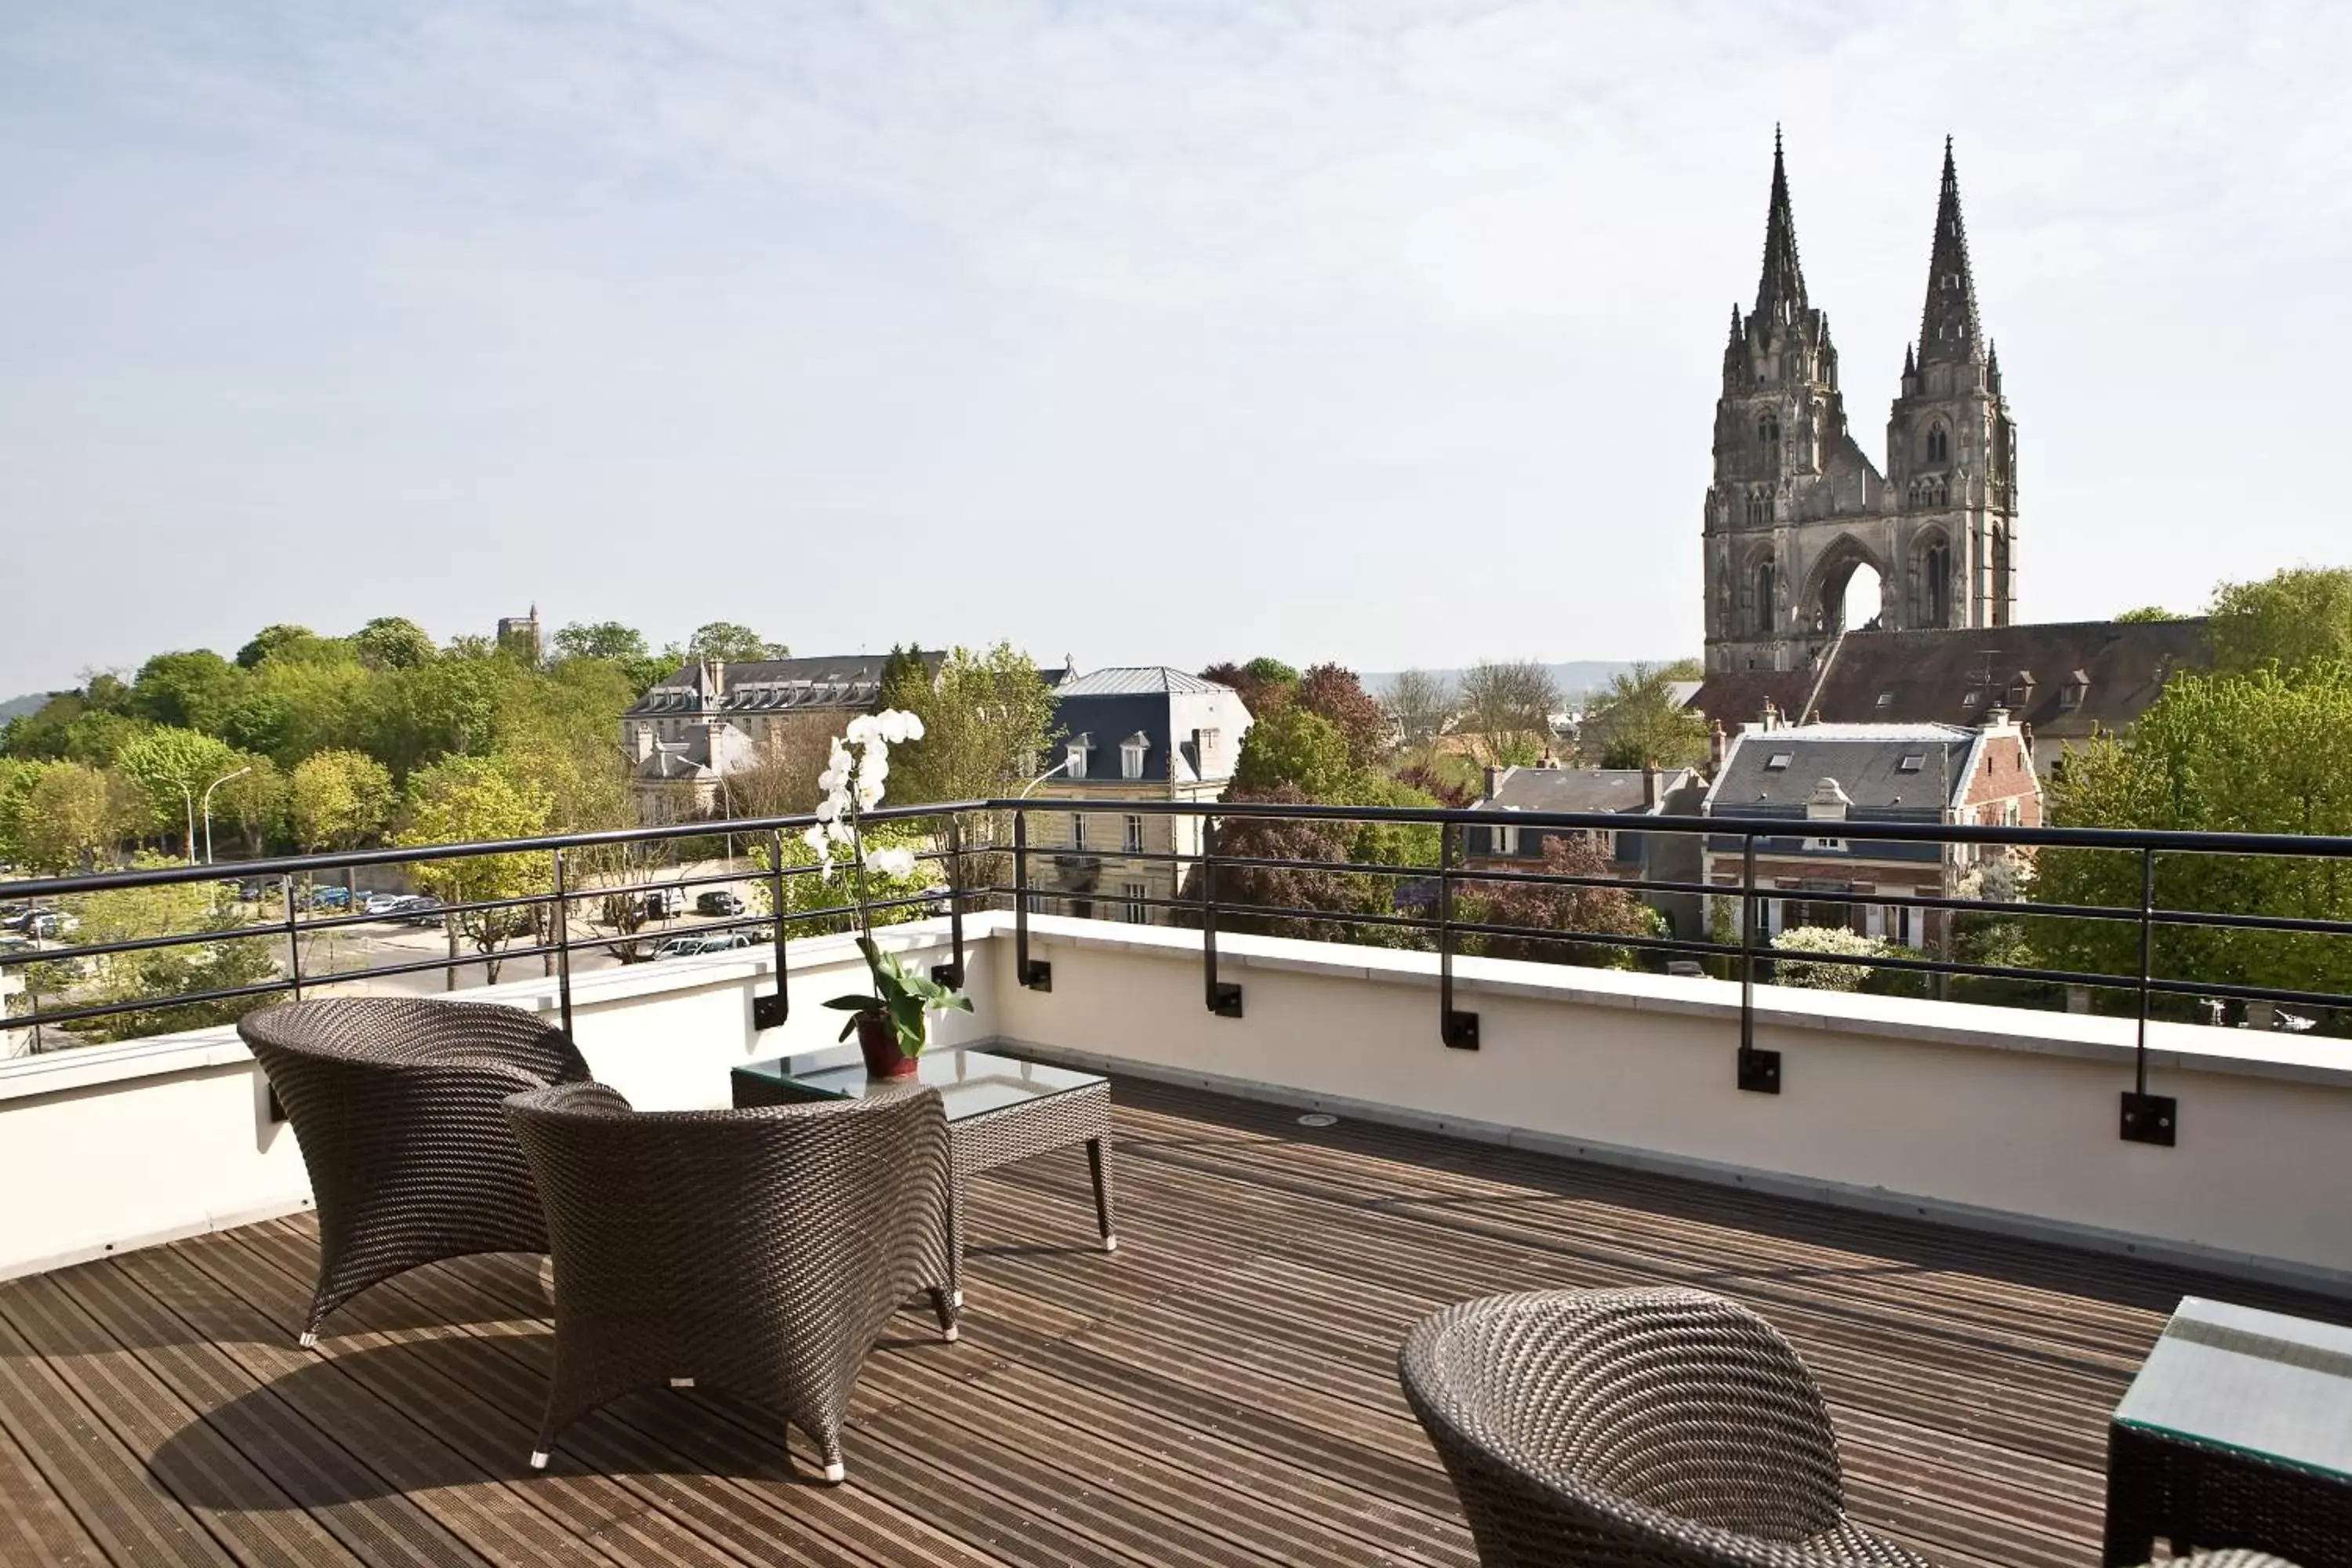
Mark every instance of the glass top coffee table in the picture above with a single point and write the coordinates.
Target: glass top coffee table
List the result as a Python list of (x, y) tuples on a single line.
[(2237, 1432), (999, 1110)]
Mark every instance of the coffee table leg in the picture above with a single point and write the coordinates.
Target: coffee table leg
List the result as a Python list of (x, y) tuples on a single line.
[(1098, 1157)]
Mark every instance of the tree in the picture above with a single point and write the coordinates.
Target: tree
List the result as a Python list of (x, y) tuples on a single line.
[(191, 690), (63, 818), (1290, 748), (1535, 907), (1639, 724), (732, 642), (2151, 613), (393, 642), (2252, 754), (1333, 692), (99, 735), (172, 768), (2294, 619), (241, 956), (1826, 976), (254, 804), (1265, 683), (1239, 888), (1509, 706), (987, 718), (270, 642), (338, 800), (600, 640), (1419, 705), (471, 800)]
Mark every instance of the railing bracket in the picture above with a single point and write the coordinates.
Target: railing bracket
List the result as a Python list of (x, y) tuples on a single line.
[(769, 1012), (1225, 998), (1460, 1030), (1760, 1071), (948, 974), (2151, 1118), (1037, 974)]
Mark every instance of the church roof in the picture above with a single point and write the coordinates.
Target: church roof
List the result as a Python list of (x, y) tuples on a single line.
[(1948, 327)]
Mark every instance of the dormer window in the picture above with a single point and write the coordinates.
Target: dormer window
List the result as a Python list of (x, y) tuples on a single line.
[(1077, 749), (1130, 756), (1886, 698), (1971, 697)]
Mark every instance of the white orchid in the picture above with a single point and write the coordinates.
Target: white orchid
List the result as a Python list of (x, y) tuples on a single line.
[(895, 861), (860, 731)]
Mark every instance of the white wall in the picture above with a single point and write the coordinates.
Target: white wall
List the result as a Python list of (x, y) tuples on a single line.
[(1993, 1116)]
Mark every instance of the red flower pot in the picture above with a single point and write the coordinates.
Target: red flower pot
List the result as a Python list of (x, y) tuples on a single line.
[(879, 1041)]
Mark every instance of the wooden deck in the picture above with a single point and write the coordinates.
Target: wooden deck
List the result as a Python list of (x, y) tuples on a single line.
[(1222, 1391)]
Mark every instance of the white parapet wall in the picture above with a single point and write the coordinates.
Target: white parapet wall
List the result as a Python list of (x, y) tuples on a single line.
[(1989, 1117), (105, 1148)]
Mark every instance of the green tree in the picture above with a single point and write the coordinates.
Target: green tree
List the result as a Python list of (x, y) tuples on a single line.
[(240, 956), (600, 640), (172, 768), (338, 800), (1265, 683), (271, 642), (2151, 613), (2294, 619), (1509, 706), (987, 719), (732, 642), (393, 642), (1533, 907), (190, 690), (1292, 747), (478, 799), (1638, 723), (252, 804), (1419, 705), (2251, 754), (63, 818)]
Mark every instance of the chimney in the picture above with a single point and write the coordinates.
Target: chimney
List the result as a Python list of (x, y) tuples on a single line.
[(1771, 717), (645, 740), (1653, 780), (1996, 718), (717, 690), (1490, 781), (1716, 742)]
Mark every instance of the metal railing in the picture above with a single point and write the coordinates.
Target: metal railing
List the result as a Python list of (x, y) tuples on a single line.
[(1423, 906)]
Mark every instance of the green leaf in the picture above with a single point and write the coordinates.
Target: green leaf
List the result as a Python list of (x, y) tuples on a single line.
[(858, 1003)]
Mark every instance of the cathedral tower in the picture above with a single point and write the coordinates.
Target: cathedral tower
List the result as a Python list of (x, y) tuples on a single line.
[(1797, 507)]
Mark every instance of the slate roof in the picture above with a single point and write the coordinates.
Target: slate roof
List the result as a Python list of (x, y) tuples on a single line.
[(1736, 696), (1128, 680), (1106, 708), (1577, 789), (1910, 677), (1867, 760), (774, 685)]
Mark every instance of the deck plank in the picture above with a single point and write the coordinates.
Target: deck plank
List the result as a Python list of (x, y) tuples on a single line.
[(1219, 1394)]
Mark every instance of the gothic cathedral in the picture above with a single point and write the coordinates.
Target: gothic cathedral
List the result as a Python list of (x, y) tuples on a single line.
[(1797, 506)]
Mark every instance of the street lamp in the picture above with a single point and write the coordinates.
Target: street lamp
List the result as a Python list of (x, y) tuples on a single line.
[(1067, 759), (208, 811)]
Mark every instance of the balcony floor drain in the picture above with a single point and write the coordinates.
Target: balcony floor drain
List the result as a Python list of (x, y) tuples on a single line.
[(1319, 1119)]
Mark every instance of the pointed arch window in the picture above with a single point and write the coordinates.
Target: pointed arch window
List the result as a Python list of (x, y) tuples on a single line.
[(1766, 586), (1936, 583), (1939, 444), (1767, 433)]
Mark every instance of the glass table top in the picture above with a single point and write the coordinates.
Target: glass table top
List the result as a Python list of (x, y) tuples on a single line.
[(2275, 1387), (971, 1083)]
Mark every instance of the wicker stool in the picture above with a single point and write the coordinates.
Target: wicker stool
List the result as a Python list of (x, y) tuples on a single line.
[(1660, 1429), (396, 1104), (762, 1250)]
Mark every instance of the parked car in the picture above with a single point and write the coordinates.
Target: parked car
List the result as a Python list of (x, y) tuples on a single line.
[(385, 903), (718, 902), (251, 892), (327, 896), (661, 904), (424, 910), (694, 946), (50, 924)]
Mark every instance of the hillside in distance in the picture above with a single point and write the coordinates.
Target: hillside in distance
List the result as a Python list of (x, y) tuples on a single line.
[(1577, 678), (28, 703)]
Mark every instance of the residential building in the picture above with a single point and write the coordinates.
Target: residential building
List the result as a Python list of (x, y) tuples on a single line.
[(1130, 734), (1821, 785), (1632, 793), (709, 717), (2062, 681), (1797, 507)]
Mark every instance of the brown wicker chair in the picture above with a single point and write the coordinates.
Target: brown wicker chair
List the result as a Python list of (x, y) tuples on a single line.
[(761, 1250), (2232, 1558), (1659, 1428), (395, 1102)]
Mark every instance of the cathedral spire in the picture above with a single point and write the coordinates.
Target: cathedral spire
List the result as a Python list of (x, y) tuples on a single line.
[(1949, 329), (1780, 290)]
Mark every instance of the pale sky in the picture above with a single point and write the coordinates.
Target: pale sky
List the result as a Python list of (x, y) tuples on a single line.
[(1386, 331)]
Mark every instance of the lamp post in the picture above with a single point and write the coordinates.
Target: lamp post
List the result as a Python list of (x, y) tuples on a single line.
[(1067, 760), (208, 811)]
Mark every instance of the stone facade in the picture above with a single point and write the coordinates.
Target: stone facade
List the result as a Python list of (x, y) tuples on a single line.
[(1797, 507)]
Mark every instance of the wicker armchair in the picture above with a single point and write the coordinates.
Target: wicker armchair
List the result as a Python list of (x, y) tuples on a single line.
[(395, 1102), (2232, 1558), (762, 1250), (1659, 1428)]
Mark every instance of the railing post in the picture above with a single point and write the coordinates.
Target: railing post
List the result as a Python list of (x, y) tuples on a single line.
[(1760, 1071), (2148, 1118), (293, 935), (1225, 996), (1459, 1030), (951, 974), (562, 944), (770, 1012), (1036, 975)]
